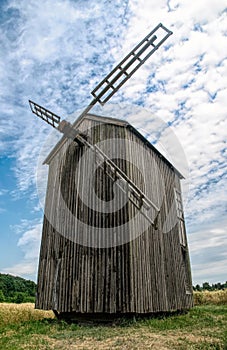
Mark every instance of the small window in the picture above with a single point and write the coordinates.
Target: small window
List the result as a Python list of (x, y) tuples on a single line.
[(179, 204), (180, 215), (186, 268)]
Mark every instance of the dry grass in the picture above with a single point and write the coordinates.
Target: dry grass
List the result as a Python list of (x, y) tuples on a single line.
[(218, 297), (137, 340), (15, 313)]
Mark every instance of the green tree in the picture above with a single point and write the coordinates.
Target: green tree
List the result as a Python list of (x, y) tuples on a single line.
[(19, 298), (206, 286), (2, 296), (11, 286), (197, 287)]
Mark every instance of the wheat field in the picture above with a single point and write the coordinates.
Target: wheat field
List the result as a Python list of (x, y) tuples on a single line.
[(217, 297), (15, 313)]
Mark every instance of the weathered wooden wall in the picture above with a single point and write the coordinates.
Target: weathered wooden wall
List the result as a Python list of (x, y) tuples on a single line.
[(150, 273)]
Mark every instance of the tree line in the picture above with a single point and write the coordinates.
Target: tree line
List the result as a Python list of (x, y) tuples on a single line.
[(16, 289), (210, 287)]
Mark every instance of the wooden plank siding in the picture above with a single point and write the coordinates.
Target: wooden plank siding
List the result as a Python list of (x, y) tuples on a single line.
[(150, 273)]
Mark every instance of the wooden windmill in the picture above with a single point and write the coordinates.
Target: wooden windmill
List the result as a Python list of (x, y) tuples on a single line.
[(130, 260)]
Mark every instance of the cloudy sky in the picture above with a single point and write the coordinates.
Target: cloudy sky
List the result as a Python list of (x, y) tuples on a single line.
[(55, 52)]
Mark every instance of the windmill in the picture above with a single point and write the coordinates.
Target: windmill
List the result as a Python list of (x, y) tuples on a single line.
[(114, 276)]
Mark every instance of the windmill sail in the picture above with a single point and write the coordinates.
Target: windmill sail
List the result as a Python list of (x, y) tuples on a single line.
[(48, 116), (129, 65)]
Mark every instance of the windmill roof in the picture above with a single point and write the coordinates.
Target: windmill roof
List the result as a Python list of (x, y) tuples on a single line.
[(109, 120)]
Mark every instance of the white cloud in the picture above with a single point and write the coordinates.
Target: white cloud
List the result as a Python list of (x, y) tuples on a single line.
[(25, 269), (208, 247), (212, 271), (29, 243), (30, 240), (209, 238), (3, 192)]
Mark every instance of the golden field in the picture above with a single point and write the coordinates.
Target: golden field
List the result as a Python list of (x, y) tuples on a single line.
[(217, 297), (15, 313)]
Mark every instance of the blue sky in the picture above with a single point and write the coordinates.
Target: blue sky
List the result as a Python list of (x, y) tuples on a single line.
[(55, 52)]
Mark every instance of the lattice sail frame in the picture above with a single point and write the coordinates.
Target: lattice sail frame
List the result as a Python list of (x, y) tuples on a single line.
[(130, 64), (48, 116)]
